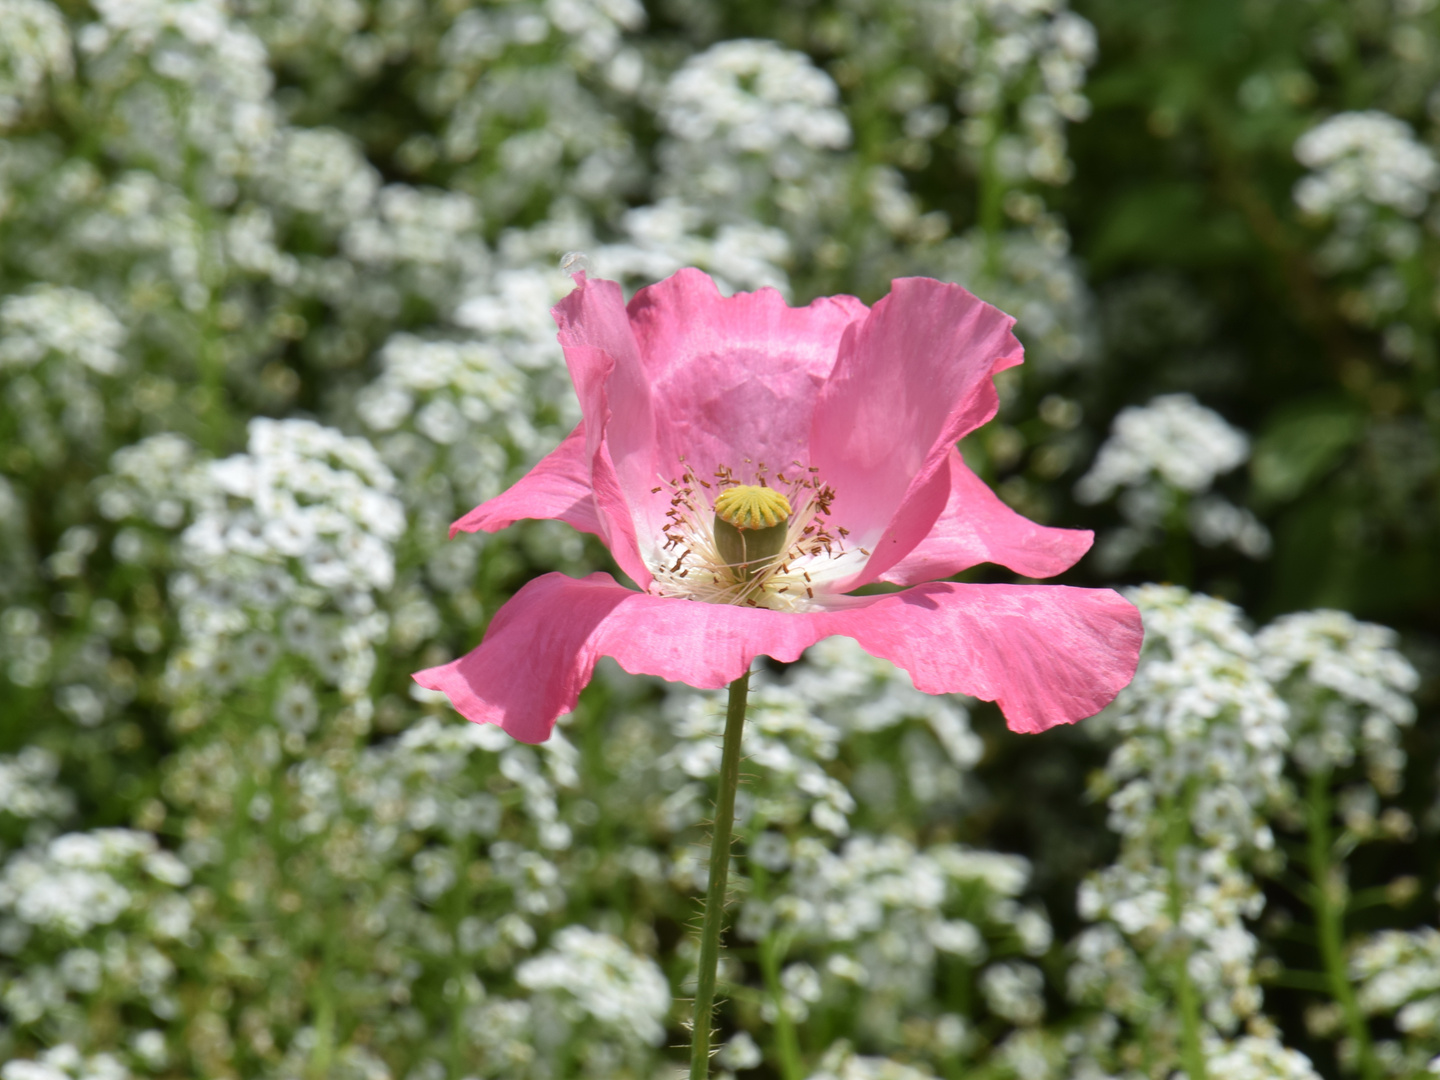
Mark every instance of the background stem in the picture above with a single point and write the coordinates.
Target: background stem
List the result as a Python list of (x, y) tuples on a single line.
[(719, 871), (1329, 902), (787, 1043), (1187, 1001)]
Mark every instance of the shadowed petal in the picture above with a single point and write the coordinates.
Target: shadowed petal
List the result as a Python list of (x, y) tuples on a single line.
[(542, 646), (977, 527), (910, 381), (599, 347), (557, 488), (568, 485), (734, 378), (1047, 654), (604, 363)]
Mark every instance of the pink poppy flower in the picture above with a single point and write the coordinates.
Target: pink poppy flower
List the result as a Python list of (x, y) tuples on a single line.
[(749, 465)]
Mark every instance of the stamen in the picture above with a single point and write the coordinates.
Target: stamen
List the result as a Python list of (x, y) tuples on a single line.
[(749, 544)]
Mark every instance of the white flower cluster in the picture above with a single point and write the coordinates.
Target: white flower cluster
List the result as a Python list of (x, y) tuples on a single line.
[(69, 886), (1106, 971), (511, 310), (1020, 69), (595, 27), (1210, 721), (781, 735), (894, 910), (754, 97), (292, 538), (1399, 974), (431, 236), (304, 519), (54, 320), (54, 342), (1366, 156), (1348, 687), (220, 70), (1014, 991), (754, 130), (465, 395), (65, 1062), (1204, 738), (25, 646), (603, 982), (1200, 706), (1032, 55), (841, 1062), (34, 47), (154, 480), (1159, 454), (141, 222), (670, 234), (526, 127), (1174, 438), (1370, 178), (27, 786), (320, 173), (1257, 1058), (795, 726), (419, 783)]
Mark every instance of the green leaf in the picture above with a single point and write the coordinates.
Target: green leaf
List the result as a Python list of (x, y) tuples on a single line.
[(1300, 445)]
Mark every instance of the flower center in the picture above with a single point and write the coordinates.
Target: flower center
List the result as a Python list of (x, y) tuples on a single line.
[(751, 527), (766, 544), (751, 506)]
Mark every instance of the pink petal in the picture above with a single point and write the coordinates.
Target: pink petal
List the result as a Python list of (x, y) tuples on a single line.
[(909, 382), (734, 379), (614, 394), (1047, 654), (977, 527), (598, 345), (557, 488), (541, 648)]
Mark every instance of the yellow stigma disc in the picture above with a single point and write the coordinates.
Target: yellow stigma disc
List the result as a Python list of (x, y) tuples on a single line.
[(749, 506)]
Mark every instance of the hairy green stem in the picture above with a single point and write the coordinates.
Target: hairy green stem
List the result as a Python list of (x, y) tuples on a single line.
[(1192, 1054), (719, 871), (1327, 898)]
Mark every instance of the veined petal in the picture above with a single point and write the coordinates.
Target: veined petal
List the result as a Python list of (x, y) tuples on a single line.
[(615, 398), (557, 488), (977, 527), (541, 648), (733, 380), (909, 382), (600, 348), (567, 485), (1046, 654), (536, 656), (735, 377)]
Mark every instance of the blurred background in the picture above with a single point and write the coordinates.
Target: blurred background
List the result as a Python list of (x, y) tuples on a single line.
[(274, 291)]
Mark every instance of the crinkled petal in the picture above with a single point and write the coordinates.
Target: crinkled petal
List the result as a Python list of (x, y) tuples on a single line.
[(604, 363), (735, 377), (599, 348), (909, 382), (1046, 654), (541, 648), (977, 527), (557, 488)]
